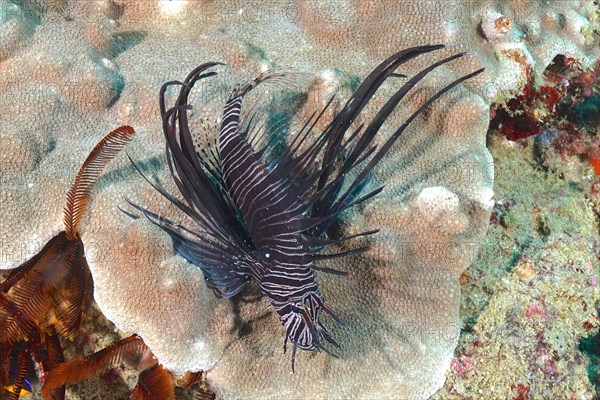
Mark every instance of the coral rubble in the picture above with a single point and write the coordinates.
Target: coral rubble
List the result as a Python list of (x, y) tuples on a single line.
[(532, 295)]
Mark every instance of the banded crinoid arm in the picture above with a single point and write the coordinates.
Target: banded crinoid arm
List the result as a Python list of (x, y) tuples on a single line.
[(78, 196), (54, 283), (155, 382)]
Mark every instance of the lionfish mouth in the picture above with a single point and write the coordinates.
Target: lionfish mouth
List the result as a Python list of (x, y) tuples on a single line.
[(261, 200), (303, 326)]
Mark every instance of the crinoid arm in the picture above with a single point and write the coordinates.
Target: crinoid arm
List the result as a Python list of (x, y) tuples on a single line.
[(44, 298), (154, 383), (55, 283), (79, 195), (26, 296)]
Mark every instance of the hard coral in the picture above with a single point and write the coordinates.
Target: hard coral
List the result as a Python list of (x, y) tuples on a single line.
[(534, 293)]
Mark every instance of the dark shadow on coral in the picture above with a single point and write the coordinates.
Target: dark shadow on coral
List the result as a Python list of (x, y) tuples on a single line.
[(118, 174), (590, 346), (251, 295), (124, 41)]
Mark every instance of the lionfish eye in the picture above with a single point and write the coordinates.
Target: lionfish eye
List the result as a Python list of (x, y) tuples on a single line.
[(265, 254)]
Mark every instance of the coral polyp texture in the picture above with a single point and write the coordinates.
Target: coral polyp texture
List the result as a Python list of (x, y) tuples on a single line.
[(72, 70)]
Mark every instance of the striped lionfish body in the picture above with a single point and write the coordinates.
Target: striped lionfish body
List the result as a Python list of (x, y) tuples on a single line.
[(267, 219)]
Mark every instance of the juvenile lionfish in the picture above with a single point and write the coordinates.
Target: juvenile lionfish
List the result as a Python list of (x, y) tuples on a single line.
[(266, 219)]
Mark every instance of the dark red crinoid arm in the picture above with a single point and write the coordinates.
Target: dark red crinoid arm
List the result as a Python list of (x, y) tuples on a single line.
[(79, 369), (154, 383)]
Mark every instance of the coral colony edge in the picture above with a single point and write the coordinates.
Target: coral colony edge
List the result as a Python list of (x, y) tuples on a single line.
[(258, 214)]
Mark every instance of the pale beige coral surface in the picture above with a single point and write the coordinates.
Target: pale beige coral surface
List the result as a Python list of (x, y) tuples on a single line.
[(78, 69)]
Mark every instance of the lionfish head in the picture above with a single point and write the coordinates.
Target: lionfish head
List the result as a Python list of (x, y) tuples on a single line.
[(303, 327)]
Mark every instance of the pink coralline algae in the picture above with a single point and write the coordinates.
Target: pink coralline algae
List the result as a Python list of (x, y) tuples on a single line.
[(462, 365), (533, 310)]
